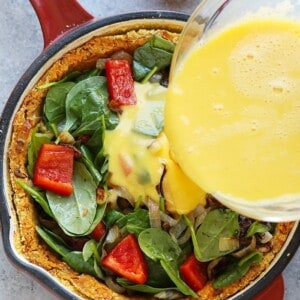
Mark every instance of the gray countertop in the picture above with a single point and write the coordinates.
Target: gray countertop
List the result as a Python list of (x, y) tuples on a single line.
[(21, 42)]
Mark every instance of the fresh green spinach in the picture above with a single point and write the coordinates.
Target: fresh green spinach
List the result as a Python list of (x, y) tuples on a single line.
[(97, 269), (139, 71), (87, 160), (161, 43), (76, 213), (237, 270), (159, 246), (100, 212), (172, 270), (112, 216), (157, 276), (75, 260), (89, 127), (90, 249), (197, 250), (69, 77), (86, 101), (53, 241), (153, 56), (135, 222), (143, 288), (38, 196), (218, 223), (95, 143), (150, 119), (36, 141), (256, 227), (157, 52), (87, 74), (55, 102)]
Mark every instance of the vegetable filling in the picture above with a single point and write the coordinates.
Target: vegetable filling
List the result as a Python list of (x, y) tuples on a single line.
[(111, 200)]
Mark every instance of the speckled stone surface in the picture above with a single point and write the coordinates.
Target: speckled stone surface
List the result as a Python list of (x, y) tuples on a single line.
[(20, 42)]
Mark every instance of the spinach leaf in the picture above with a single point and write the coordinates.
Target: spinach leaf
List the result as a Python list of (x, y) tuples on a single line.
[(112, 216), (150, 119), (143, 288), (75, 214), (83, 264), (37, 196), (152, 57), (36, 141), (89, 127), (75, 260), (90, 249), (173, 272), (161, 43), (157, 52), (101, 208), (158, 245), (256, 227), (139, 71), (69, 77), (95, 143), (87, 74), (101, 162), (217, 224), (87, 160), (237, 270), (157, 276), (197, 250), (135, 222), (86, 101), (54, 108), (149, 75), (97, 269), (53, 241)]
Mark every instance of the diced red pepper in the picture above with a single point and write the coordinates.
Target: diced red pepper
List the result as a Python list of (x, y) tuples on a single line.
[(101, 197), (54, 168), (126, 259), (194, 273), (126, 163), (99, 231), (120, 83)]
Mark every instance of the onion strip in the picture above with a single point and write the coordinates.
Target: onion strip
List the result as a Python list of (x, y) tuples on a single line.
[(154, 214), (247, 250), (113, 285)]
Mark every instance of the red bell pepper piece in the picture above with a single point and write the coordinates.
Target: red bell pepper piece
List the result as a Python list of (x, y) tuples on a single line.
[(194, 273), (54, 168), (120, 83), (99, 231), (126, 259)]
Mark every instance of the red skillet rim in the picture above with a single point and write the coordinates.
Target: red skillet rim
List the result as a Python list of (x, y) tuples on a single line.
[(36, 272)]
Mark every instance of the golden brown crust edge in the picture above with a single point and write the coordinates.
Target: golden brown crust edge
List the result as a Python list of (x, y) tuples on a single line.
[(26, 240)]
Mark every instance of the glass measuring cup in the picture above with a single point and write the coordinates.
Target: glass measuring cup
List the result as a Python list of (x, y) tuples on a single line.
[(211, 18)]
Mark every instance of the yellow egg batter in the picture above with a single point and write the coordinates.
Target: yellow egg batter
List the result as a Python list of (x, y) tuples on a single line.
[(232, 115)]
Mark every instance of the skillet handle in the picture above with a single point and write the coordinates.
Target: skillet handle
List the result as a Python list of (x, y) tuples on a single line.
[(56, 17)]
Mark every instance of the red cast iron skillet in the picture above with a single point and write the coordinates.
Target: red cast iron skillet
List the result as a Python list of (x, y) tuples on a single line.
[(62, 22)]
